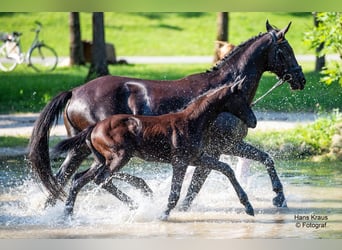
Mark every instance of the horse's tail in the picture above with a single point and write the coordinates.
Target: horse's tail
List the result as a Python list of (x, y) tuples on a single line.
[(74, 142), (38, 147)]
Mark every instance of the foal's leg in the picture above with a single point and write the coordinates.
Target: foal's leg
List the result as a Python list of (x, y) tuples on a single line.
[(212, 163), (73, 161), (135, 181), (178, 173), (103, 179), (119, 159), (248, 151), (198, 178), (77, 183)]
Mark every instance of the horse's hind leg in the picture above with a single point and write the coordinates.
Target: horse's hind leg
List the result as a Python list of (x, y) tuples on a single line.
[(248, 151), (212, 163), (68, 168)]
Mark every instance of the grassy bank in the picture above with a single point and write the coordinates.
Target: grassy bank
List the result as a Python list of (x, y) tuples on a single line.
[(301, 142), (23, 90), (157, 33)]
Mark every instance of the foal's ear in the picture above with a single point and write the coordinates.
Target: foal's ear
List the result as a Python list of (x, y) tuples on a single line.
[(134, 125), (237, 85)]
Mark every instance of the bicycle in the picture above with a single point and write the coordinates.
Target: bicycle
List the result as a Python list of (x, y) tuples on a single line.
[(39, 56)]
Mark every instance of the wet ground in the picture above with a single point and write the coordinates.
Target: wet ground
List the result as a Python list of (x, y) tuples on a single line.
[(313, 194)]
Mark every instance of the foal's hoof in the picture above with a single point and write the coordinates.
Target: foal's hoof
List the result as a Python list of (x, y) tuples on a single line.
[(133, 206), (279, 200), (249, 209), (184, 207), (165, 216)]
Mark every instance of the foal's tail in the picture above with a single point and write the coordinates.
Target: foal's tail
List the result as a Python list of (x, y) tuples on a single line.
[(38, 147), (74, 142)]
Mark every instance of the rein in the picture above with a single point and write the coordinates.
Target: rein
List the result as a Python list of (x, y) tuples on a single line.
[(279, 83)]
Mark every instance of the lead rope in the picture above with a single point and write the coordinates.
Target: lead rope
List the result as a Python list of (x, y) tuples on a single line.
[(279, 83)]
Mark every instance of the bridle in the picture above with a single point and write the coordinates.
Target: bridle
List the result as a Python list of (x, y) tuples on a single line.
[(287, 75)]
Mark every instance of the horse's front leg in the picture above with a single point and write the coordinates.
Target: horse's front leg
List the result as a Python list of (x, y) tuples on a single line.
[(248, 151), (213, 163), (178, 174)]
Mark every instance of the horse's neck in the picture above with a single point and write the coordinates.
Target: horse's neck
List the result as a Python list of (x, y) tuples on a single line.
[(250, 63)]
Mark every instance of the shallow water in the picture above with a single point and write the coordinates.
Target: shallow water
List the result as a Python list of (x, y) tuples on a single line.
[(313, 194)]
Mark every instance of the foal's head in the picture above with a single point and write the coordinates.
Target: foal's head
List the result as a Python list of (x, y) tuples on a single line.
[(232, 99), (238, 106)]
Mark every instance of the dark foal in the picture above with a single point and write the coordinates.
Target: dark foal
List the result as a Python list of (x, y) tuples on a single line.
[(174, 138)]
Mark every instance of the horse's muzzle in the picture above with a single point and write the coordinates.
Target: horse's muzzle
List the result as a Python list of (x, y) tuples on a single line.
[(296, 79)]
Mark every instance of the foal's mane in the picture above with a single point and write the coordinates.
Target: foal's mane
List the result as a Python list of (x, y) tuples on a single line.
[(236, 50), (200, 104)]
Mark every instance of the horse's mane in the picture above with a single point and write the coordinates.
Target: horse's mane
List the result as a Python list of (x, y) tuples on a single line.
[(236, 50)]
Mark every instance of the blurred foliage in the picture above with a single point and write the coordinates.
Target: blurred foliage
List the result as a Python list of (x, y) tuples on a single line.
[(329, 33)]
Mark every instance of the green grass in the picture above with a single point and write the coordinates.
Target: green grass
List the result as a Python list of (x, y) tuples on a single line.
[(23, 90), (13, 141), (158, 33)]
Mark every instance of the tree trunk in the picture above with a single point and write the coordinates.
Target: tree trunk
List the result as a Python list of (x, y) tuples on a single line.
[(76, 48), (222, 32), (98, 65), (320, 60)]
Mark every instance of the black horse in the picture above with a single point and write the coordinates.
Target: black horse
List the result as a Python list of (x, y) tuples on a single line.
[(105, 96)]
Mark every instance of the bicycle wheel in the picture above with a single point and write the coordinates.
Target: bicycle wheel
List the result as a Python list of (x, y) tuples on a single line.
[(42, 58), (8, 61)]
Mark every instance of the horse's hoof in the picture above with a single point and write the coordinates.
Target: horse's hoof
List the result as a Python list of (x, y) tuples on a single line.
[(279, 200), (249, 209)]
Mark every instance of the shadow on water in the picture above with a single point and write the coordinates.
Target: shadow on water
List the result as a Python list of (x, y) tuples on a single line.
[(312, 189)]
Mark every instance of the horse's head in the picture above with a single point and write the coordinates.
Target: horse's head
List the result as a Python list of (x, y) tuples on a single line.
[(282, 60)]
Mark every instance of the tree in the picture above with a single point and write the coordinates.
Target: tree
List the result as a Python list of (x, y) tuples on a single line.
[(320, 59), (329, 33), (76, 48), (222, 32), (98, 65)]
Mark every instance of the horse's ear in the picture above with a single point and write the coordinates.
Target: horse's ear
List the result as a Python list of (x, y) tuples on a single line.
[(269, 27), (281, 33)]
